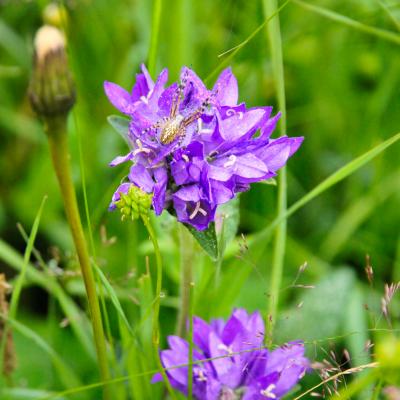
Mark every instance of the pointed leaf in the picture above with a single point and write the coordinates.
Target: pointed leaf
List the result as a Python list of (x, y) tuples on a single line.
[(207, 239)]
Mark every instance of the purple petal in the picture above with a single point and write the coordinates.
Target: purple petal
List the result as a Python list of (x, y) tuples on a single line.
[(121, 159), (222, 192), (241, 124), (160, 188), (141, 177), (278, 151), (119, 97), (123, 188), (190, 76), (226, 88), (201, 332)]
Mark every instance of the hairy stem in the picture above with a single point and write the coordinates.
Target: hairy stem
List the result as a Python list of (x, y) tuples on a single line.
[(58, 141), (186, 264), (156, 306)]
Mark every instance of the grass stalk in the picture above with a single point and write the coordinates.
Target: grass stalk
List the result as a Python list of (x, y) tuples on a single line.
[(58, 141), (274, 35)]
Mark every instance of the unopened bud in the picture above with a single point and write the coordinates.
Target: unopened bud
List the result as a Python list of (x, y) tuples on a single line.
[(51, 89), (134, 204)]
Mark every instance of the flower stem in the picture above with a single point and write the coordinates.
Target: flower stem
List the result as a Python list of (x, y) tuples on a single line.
[(186, 254), (156, 306), (274, 33), (57, 135)]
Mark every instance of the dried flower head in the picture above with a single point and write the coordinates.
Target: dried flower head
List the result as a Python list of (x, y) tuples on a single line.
[(195, 148), (51, 89)]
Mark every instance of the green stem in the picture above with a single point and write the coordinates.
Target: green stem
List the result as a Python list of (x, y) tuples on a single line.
[(156, 306), (58, 141), (274, 33), (186, 260), (155, 29)]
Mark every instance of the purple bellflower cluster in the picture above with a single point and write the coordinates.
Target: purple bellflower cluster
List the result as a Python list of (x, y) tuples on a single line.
[(193, 148), (236, 365)]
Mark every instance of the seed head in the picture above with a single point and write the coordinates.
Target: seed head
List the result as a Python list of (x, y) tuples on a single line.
[(51, 89)]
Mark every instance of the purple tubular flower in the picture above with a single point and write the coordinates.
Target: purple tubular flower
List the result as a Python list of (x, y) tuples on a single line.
[(195, 148), (236, 365)]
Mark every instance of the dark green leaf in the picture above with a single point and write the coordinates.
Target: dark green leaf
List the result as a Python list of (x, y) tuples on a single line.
[(228, 214), (207, 239)]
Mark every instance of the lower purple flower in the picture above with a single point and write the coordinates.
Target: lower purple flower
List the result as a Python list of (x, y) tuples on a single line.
[(235, 366)]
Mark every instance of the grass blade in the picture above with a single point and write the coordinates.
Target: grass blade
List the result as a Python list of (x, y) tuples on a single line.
[(113, 297), (78, 320), (237, 48), (326, 184), (67, 376), (21, 278), (342, 19)]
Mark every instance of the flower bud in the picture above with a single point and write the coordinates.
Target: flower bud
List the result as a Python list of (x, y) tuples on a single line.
[(134, 204), (51, 89)]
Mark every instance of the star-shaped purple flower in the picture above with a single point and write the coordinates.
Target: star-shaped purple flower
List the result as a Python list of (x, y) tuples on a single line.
[(235, 365), (195, 148)]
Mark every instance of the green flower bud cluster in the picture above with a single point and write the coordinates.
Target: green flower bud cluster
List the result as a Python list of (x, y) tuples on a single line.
[(134, 204)]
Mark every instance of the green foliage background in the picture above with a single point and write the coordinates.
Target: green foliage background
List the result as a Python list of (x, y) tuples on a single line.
[(343, 96)]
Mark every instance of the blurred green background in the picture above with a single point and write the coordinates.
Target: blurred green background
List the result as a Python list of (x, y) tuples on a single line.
[(343, 96)]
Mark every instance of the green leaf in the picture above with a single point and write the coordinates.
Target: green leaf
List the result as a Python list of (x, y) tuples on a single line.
[(207, 239), (228, 214), (121, 125)]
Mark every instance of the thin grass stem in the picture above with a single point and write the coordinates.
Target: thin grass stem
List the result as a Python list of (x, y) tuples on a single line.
[(351, 23), (233, 51)]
